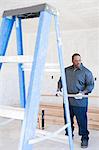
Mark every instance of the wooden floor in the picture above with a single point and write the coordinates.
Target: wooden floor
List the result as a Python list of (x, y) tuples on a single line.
[(54, 115)]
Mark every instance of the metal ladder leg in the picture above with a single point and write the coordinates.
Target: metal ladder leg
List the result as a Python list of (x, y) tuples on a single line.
[(5, 31), (21, 72), (59, 45), (33, 99)]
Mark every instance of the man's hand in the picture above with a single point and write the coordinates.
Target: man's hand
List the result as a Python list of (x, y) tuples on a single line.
[(79, 95), (59, 93)]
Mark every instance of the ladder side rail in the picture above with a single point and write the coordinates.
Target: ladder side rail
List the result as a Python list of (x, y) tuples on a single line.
[(65, 96), (33, 99), (20, 71), (5, 32)]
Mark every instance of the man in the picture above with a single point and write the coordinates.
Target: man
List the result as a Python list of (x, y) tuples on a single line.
[(79, 81)]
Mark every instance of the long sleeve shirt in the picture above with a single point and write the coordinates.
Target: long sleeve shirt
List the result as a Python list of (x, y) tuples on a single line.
[(78, 80)]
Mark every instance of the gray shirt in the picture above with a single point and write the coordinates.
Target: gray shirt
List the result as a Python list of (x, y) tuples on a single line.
[(78, 80)]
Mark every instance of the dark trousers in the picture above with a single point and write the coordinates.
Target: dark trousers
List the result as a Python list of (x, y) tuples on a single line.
[(81, 116)]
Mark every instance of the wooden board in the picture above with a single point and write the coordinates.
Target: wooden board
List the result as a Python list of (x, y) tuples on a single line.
[(54, 115)]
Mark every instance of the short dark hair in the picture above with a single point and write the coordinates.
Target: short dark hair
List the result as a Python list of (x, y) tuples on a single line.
[(76, 54)]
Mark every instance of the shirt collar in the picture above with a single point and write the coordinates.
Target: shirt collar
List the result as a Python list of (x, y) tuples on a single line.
[(81, 66)]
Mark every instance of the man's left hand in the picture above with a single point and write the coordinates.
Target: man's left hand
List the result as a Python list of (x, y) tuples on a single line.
[(79, 95)]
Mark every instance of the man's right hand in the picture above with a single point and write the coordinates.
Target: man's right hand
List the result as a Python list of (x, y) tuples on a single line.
[(58, 93)]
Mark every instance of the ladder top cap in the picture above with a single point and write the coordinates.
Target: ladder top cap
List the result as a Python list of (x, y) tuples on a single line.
[(30, 12)]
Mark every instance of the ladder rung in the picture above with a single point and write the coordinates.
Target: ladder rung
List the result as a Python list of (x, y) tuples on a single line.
[(12, 112), (48, 135)]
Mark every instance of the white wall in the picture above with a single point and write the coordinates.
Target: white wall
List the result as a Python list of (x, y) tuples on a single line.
[(85, 42)]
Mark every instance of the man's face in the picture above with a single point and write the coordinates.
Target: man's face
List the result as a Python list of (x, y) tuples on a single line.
[(76, 61)]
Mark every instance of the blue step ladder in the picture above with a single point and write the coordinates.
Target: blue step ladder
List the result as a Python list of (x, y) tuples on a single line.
[(32, 102)]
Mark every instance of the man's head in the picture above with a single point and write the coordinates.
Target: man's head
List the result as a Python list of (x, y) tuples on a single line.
[(76, 60)]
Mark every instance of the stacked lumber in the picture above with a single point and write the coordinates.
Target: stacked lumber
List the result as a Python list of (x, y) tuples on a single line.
[(53, 115)]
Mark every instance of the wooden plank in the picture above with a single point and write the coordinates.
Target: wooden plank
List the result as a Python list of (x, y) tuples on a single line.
[(54, 115)]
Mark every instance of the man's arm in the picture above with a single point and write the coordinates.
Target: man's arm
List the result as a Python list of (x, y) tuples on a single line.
[(59, 85), (89, 81), (89, 85)]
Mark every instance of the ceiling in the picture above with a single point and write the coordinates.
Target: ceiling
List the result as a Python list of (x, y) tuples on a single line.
[(74, 14)]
